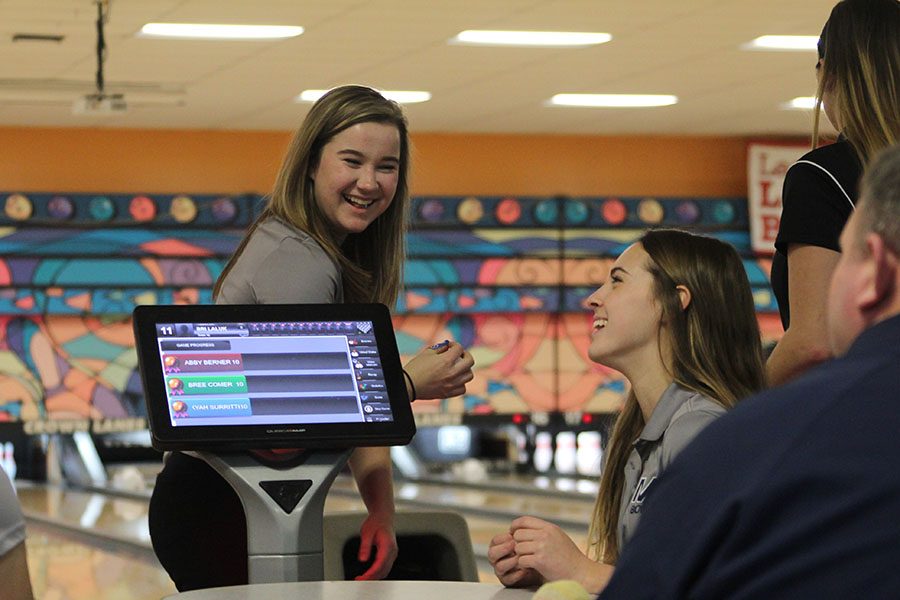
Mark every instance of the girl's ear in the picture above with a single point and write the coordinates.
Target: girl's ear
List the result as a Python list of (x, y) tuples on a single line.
[(684, 295)]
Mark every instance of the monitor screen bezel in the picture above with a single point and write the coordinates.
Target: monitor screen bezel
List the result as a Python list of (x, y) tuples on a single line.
[(165, 436)]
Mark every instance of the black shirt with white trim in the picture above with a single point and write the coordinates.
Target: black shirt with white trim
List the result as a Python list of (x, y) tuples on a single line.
[(820, 191)]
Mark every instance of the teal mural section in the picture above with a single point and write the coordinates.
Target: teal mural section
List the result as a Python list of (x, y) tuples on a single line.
[(505, 276)]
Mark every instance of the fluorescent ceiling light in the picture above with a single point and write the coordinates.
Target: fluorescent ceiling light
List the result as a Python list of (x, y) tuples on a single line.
[(613, 100), (783, 42), (403, 97), (801, 103), (206, 31), (530, 38)]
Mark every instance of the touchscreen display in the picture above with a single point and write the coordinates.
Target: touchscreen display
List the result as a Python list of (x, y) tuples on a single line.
[(271, 376), (265, 373)]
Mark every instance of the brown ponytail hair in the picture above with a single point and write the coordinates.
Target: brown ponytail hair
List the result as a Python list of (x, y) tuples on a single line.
[(370, 262), (860, 49), (715, 349)]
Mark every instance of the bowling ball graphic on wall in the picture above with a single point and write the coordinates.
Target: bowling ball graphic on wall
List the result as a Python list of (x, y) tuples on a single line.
[(470, 210), (723, 213), (101, 208), (432, 210), (183, 209), (142, 209), (60, 207), (224, 210), (687, 212), (576, 213), (651, 211), (614, 211), (546, 212), (508, 211), (18, 207)]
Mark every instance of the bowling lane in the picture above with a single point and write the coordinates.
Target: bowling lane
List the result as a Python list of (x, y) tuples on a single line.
[(501, 506), (108, 517), (106, 528), (556, 487), (64, 566), (94, 545)]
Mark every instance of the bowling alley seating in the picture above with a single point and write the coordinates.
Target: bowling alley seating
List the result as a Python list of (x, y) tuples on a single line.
[(433, 545)]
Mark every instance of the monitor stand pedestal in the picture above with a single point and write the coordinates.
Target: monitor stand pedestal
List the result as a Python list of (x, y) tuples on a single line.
[(283, 503)]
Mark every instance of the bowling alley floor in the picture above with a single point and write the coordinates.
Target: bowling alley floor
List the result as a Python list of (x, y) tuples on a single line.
[(94, 544)]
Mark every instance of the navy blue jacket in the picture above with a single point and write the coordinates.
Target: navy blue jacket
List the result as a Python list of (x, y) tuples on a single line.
[(793, 494)]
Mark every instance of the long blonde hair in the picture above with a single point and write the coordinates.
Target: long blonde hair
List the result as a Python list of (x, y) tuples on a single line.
[(371, 262), (860, 48), (715, 349)]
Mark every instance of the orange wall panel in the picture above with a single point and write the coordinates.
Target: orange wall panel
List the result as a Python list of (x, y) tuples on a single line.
[(199, 161), (579, 165), (138, 160)]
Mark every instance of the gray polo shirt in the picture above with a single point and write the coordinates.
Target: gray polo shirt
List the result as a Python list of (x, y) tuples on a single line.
[(677, 419), (282, 265)]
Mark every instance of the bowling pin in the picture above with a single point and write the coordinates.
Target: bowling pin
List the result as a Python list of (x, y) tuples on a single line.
[(520, 444), (543, 451), (524, 446), (564, 457), (9, 460), (589, 454)]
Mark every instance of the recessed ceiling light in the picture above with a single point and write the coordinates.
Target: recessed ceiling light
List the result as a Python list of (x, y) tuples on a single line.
[(800, 103), (530, 38), (403, 97), (208, 31), (783, 42), (613, 100)]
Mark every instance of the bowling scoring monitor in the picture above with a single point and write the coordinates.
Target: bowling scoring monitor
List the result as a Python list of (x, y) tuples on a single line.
[(232, 377)]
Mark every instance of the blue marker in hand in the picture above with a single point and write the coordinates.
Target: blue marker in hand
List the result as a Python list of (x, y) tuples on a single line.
[(440, 345)]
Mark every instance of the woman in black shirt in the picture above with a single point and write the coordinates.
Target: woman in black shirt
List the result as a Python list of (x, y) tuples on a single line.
[(858, 74)]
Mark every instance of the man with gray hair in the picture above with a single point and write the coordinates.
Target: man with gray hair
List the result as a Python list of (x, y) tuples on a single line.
[(796, 492)]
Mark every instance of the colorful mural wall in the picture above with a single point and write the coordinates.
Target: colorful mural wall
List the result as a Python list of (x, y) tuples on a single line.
[(504, 276)]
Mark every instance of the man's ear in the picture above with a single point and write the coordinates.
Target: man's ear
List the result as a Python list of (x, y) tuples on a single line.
[(882, 265), (684, 296)]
